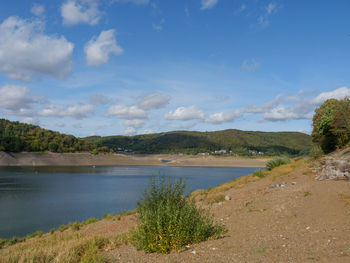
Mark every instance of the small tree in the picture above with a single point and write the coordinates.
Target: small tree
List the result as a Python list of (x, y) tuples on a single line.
[(331, 124)]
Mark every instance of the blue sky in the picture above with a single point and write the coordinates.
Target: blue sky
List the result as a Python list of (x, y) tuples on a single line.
[(107, 67)]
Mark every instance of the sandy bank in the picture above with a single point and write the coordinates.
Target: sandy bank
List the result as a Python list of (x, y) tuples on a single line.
[(87, 159)]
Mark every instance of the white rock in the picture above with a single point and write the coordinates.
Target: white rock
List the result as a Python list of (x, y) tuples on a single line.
[(227, 197)]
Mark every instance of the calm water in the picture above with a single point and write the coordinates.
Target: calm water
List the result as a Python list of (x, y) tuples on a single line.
[(46, 197)]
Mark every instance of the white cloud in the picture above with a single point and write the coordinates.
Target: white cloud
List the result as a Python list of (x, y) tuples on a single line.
[(250, 65), (138, 2), (37, 9), (339, 93), (127, 112), (97, 50), (303, 109), (222, 117), (207, 4), (100, 99), (80, 11), (265, 107), (270, 9), (31, 120), (79, 111), (129, 131), (185, 113), (26, 51), (154, 101), (147, 131), (134, 123), (15, 101)]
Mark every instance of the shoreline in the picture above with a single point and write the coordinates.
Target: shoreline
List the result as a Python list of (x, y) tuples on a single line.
[(114, 159)]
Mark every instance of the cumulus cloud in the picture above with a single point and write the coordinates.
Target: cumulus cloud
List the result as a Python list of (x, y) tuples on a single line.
[(26, 51), (127, 112), (37, 9), (134, 123), (97, 50), (303, 109), (79, 111), (154, 101), (250, 65), (15, 101), (222, 117), (185, 114), (207, 4), (265, 107), (80, 11)]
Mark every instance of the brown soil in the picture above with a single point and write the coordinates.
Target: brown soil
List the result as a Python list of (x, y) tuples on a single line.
[(307, 221), (87, 159)]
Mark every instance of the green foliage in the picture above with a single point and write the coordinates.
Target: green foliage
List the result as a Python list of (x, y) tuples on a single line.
[(239, 142), (52, 231), (276, 162), (259, 173), (75, 226), (62, 228), (316, 152), (168, 220), (331, 124), (90, 221), (37, 233), (17, 137)]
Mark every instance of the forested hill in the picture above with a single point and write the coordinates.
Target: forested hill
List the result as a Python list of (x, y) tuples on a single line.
[(237, 141), (17, 137)]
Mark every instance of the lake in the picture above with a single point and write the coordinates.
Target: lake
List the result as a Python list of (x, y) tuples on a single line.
[(41, 198)]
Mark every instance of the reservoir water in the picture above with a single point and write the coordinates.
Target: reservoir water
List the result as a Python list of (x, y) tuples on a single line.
[(41, 198)]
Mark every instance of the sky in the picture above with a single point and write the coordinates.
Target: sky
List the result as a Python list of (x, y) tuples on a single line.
[(126, 67)]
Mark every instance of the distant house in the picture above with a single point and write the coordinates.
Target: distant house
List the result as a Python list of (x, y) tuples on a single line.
[(220, 152), (203, 154)]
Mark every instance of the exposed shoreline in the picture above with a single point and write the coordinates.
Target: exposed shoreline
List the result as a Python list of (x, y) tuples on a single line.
[(87, 159)]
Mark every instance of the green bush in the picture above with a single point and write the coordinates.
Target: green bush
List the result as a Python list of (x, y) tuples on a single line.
[(168, 220), (62, 228), (259, 173), (316, 152), (276, 162), (75, 226), (90, 221)]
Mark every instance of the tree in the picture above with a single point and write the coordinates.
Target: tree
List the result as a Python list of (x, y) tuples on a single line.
[(331, 124)]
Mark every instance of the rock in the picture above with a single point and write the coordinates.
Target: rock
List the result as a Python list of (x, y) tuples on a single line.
[(227, 197), (294, 183), (274, 185), (194, 252)]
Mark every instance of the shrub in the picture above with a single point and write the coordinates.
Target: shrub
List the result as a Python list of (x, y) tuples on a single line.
[(316, 152), (52, 230), (62, 228), (3, 242), (276, 162), (75, 226), (90, 221), (38, 233), (168, 220), (259, 173)]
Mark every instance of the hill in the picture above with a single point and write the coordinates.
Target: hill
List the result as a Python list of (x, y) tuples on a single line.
[(18, 137), (189, 142)]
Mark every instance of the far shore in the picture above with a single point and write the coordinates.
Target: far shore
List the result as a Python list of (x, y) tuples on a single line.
[(113, 159)]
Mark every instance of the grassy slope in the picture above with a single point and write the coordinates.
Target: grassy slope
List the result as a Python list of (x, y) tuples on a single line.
[(238, 141)]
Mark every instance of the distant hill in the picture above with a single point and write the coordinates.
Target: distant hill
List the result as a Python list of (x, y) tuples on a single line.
[(17, 137), (237, 141)]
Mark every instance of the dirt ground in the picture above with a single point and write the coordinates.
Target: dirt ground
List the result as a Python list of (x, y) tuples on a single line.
[(87, 159), (306, 221)]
